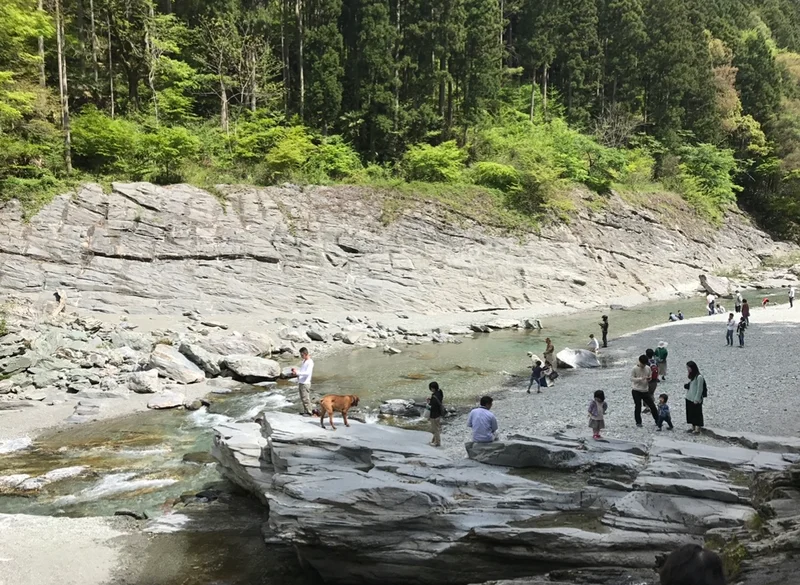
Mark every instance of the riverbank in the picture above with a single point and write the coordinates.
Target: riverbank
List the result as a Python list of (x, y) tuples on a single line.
[(750, 389)]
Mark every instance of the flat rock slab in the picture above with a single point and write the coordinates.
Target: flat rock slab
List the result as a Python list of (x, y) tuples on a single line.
[(170, 363), (754, 441), (577, 358)]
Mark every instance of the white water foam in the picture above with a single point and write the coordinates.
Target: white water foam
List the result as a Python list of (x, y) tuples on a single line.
[(35, 483), (203, 418), (168, 524), (17, 444), (273, 401), (113, 484)]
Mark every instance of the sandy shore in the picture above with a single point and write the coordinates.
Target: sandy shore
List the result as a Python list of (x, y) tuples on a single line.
[(752, 389)]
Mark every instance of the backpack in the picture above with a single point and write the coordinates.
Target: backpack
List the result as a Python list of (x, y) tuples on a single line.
[(705, 389), (653, 373)]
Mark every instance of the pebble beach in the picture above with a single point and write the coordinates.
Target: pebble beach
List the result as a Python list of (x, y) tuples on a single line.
[(751, 389)]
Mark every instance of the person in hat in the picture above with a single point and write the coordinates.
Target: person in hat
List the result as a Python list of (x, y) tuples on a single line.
[(604, 330), (661, 354)]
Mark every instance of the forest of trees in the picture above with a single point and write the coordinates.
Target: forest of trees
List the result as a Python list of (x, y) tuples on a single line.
[(519, 97)]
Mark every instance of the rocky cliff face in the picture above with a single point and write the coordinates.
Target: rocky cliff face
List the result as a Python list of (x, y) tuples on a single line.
[(150, 249)]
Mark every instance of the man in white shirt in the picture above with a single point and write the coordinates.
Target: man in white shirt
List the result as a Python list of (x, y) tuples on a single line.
[(304, 380), (791, 296), (738, 304), (594, 345), (483, 422), (710, 302)]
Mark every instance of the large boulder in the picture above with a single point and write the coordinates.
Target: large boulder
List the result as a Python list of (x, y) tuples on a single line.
[(577, 358), (172, 364), (206, 360), (251, 369), (716, 285), (146, 382), (503, 324), (247, 343), (352, 337), (400, 407)]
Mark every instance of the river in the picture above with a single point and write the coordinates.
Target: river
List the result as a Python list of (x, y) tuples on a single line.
[(141, 461)]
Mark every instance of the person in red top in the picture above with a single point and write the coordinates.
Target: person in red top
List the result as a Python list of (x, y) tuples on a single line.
[(765, 302), (746, 312)]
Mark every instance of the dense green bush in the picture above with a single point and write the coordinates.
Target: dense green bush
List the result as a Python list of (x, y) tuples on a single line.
[(497, 176), (333, 159), (286, 159), (165, 150), (434, 164), (105, 145)]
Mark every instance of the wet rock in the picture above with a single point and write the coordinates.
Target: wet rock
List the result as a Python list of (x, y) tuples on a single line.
[(166, 399), (132, 514), (480, 328), (577, 358), (199, 457), (170, 363), (391, 350), (146, 382), (400, 407), (195, 404), (251, 369), (754, 441), (503, 324), (531, 323), (206, 360), (460, 331)]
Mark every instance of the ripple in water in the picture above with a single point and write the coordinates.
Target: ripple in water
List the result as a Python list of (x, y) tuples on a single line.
[(114, 484)]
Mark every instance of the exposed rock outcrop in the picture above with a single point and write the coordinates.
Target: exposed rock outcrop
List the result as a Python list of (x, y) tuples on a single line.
[(372, 503), (149, 249)]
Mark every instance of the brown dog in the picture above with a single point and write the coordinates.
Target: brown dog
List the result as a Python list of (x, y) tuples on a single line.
[(335, 402)]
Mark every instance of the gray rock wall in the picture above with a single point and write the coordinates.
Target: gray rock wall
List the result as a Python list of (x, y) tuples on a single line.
[(150, 249)]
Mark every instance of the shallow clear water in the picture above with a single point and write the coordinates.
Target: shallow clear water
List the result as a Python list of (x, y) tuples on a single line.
[(141, 461)]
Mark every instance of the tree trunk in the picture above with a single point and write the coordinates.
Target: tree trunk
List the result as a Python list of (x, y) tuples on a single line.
[(151, 73), (42, 73), (110, 67), (133, 89), (63, 89), (253, 82), (223, 97), (544, 92), (93, 32), (298, 9), (533, 95), (284, 59), (397, 66)]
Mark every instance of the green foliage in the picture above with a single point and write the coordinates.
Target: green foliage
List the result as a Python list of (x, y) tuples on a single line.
[(165, 150), (704, 178), (732, 553), (3, 326), (496, 176), (289, 155), (333, 159), (434, 164), (106, 145)]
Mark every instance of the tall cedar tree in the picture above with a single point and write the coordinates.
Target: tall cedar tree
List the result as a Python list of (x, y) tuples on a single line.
[(622, 38), (324, 42)]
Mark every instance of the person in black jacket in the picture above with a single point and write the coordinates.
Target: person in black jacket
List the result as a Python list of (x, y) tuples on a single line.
[(436, 403)]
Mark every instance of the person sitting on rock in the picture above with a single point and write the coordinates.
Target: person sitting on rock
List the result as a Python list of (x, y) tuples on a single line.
[(680, 315), (673, 316), (483, 422), (692, 565)]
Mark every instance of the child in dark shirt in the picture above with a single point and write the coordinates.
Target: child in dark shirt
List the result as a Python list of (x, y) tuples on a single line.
[(663, 412)]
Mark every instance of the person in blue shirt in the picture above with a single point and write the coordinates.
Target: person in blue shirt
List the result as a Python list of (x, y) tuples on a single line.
[(537, 377), (483, 422), (664, 415)]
